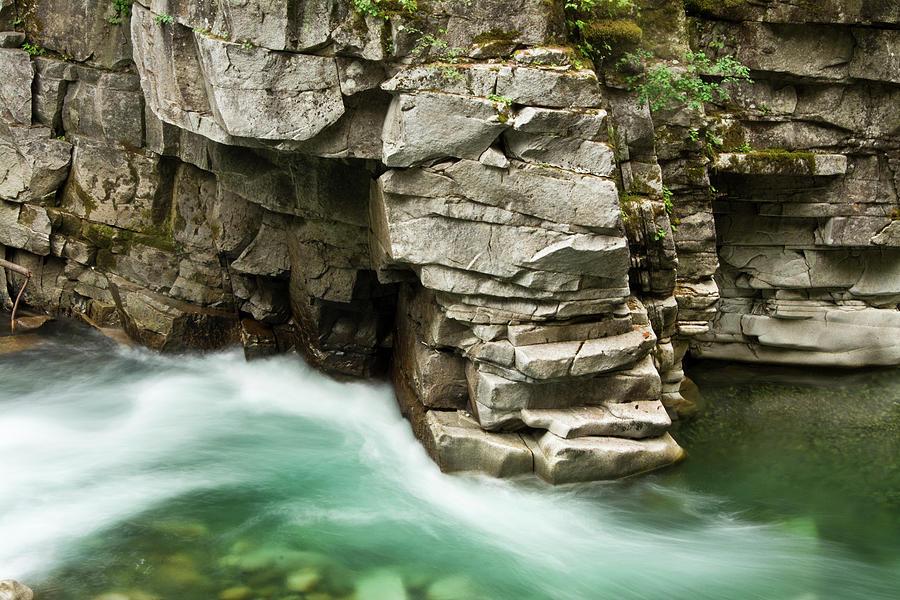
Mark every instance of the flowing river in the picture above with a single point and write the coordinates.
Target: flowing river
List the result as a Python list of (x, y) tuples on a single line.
[(130, 475)]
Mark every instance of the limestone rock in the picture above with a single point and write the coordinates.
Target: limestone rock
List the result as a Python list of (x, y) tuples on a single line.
[(16, 73), (559, 460), (25, 226), (265, 95), (32, 164), (763, 163), (550, 88), (578, 155), (639, 419), (81, 29), (102, 105), (11, 39), (430, 125), (457, 443), (524, 335), (116, 188), (512, 391), (562, 359), (224, 90)]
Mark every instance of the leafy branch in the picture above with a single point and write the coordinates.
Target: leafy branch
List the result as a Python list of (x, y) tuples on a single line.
[(665, 86)]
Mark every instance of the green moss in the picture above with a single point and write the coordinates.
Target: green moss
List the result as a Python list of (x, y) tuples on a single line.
[(105, 261), (88, 203), (613, 37), (778, 160), (26, 216), (497, 35), (159, 239), (695, 6), (64, 223), (733, 136), (104, 236)]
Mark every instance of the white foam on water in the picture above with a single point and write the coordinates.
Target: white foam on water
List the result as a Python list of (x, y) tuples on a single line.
[(74, 463)]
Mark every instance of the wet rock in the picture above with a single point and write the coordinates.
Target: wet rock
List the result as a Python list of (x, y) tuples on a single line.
[(13, 590), (35, 322), (636, 420), (10, 344), (457, 587), (457, 443), (304, 580), (380, 585), (559, 460), (240, 592)]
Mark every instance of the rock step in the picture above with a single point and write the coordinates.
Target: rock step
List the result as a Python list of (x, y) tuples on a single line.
[(494, 388), (643, 419), (536, 333), (457, 443), (572, 359), (558, 460)]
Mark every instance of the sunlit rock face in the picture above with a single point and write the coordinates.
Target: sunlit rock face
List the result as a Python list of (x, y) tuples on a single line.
[(453, 195)]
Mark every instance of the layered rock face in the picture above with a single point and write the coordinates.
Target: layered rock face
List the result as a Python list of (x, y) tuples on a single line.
[(449, 191)]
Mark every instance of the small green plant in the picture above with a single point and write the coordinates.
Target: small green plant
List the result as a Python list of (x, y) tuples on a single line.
[(383, 8), (694, 135), (247, 45), (660, 234), (163, 19), (670, 207), (502, 99), (664, 86), (434, 46), (667, 200), (743, 148), (18, 21), (121, 8), (33, 49)]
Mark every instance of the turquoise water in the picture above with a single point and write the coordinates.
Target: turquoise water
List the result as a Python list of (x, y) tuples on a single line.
[(123, 471)]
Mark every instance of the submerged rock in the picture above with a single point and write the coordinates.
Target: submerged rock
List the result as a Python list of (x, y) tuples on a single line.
[(303, 580), (13, 590), (381, 585), (457, 587), (240, 592)]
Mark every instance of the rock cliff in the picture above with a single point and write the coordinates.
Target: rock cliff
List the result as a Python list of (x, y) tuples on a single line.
[(448, 190)]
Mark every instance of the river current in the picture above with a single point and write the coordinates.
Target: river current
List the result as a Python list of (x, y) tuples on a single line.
[(138, 476)]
